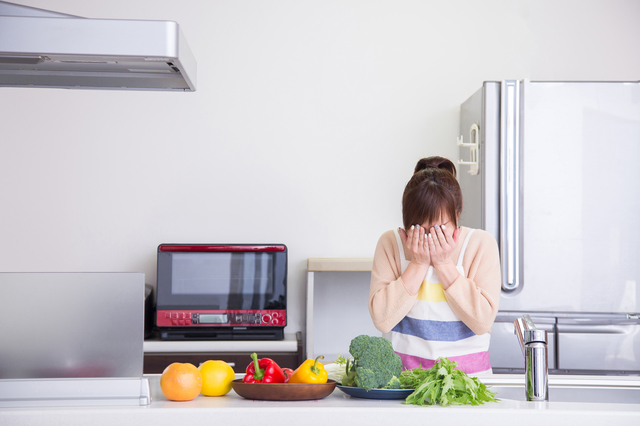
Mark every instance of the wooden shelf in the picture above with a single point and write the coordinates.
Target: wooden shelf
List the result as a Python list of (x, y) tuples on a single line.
[(320, 264)]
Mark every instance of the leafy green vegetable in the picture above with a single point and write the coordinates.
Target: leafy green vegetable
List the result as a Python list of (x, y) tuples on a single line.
[(444, 384), (335, 369), (341, 360)]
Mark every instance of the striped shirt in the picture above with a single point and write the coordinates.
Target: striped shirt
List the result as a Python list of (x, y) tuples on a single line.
[(431, 329)]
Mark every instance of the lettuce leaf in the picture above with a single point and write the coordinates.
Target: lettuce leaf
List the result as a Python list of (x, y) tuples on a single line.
[(446, 385)]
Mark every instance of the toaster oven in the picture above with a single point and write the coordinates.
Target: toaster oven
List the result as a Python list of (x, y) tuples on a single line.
[(221, 291)]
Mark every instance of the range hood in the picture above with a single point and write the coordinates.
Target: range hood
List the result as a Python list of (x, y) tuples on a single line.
[(41, 48)]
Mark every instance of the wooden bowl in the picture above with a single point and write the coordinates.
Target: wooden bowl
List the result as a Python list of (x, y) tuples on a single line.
[(283, 391)]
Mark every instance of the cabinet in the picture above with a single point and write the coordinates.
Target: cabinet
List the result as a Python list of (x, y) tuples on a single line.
[(158, 354)]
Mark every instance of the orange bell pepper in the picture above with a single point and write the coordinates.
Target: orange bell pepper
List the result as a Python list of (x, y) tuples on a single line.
[(310, 371)]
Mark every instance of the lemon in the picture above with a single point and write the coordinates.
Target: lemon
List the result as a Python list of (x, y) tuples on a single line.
[(216, 378)]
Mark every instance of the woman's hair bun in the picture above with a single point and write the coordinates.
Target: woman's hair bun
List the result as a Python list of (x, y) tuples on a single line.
[(436, 163)]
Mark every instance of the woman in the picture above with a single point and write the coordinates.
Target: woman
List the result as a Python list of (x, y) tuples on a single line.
[(435, 286)]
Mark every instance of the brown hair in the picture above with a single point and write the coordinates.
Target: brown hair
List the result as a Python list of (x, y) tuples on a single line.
[(432, 191)]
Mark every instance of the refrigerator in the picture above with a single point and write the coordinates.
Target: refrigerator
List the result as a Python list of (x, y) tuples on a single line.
[(552, 170)]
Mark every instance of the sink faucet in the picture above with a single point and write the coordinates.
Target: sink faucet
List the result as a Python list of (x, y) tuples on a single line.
[(533, 342)]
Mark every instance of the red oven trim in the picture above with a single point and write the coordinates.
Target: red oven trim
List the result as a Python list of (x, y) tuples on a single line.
[(182, 317), (208, 247)]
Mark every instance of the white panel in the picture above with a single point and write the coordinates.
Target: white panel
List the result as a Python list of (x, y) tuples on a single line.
[(70, 325), (340, 312)]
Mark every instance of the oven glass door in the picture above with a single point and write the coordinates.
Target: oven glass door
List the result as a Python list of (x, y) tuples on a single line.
[(234, 280)]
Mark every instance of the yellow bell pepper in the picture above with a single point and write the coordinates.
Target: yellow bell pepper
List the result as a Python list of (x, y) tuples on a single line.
[(310, 371)]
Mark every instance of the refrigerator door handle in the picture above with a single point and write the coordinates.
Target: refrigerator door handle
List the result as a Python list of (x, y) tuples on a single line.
[(510, 184), (597, 329)]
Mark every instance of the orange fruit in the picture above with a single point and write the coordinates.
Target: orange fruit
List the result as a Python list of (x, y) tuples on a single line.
[(181, 382), (216, 378)]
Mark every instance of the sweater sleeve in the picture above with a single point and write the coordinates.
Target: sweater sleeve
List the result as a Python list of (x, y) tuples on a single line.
[(475, 298), (389, 300)]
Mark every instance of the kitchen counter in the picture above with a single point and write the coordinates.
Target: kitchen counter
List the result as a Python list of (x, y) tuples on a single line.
[(336, 409)]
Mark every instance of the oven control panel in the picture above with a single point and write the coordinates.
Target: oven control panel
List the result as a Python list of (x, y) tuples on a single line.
[(195, 318)]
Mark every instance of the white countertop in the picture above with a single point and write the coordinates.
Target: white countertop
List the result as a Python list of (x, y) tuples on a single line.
[(289, 344), (336, 409)]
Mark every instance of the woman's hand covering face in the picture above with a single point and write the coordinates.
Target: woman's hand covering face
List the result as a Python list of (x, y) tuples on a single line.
[(416, 241), (442, 242), (432, 246)]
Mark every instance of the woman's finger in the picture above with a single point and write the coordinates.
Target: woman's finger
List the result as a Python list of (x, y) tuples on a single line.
[(415, 237), (420, 238), (434, 237), (456, 234), (432, 243), (410, 237), (403, 235), (442, 239)]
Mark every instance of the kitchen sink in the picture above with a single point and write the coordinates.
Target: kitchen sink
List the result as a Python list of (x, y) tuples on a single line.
[(575, 394), (590, 389)]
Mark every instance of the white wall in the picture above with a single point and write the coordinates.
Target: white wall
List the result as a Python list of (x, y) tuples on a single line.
[(308, 119)]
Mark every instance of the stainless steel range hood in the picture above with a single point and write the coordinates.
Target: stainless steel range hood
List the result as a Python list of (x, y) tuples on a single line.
[(41, 48)]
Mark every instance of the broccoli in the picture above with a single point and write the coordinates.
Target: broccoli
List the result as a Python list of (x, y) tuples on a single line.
[(394, 383), (375, 365)]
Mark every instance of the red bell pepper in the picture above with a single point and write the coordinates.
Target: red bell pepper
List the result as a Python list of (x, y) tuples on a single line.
[(263, 370), (287, 372)]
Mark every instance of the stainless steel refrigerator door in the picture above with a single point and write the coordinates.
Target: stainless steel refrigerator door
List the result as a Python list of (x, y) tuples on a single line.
[(593, 345), (71, 325), (580, 192), (481, 191)]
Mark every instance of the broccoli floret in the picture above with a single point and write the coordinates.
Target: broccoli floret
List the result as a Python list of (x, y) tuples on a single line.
[(374, 363), (394, 383)]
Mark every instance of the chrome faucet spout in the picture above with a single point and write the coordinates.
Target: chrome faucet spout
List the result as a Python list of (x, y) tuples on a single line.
[(534, 348)]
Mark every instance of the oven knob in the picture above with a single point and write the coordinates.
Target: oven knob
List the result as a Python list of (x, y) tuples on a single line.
[(266, 318), (275, 315), (274, 322)]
